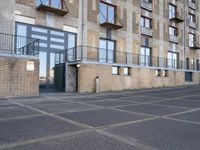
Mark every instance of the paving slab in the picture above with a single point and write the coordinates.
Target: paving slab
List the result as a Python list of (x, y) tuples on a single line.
[(7, 104), (86, 141), (7, 112), (152, 109), (103, 117), (181, 103), (110, 103), (142, 99), (190, 116), (162, 134), (191, 98), (19, 130), (64, 107)]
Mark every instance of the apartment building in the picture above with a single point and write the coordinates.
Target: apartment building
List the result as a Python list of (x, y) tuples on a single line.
[(108, 45)]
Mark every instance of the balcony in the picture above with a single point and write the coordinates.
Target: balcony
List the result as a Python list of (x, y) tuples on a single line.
[(176, 18), (104, 56), (146, 31), (192, 24), (108, 16), (146, 5), (195, 46), (19, 45), (54, 6), (191, 4), (173, 39)]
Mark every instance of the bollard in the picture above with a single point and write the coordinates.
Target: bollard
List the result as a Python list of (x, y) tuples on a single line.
[(97, 84)]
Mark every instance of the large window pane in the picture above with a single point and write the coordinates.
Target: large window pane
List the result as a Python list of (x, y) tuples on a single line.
[(43, 69), (111, 13), (103, 12), (111, 47), (21, 38), (71, 47), (102, 51)]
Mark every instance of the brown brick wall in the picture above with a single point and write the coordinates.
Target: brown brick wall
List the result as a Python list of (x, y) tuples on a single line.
[(138, 78), (15, 80)]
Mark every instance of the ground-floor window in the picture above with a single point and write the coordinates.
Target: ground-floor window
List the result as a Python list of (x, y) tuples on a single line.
[(172, 60), (106, 51), (145, 56)]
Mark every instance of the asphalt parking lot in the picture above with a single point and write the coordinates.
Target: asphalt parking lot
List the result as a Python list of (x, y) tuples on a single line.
[(151, 119)]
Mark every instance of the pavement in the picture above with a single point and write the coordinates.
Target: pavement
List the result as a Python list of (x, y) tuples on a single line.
[(148, 119)]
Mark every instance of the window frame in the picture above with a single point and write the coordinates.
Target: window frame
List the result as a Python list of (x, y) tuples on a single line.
[(117, 73), (107, 12)]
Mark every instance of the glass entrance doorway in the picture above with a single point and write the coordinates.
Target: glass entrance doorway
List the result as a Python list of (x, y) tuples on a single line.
[(52, 41)]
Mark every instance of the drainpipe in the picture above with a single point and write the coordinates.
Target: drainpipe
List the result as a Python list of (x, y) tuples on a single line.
[(184, 36), (82, 26)]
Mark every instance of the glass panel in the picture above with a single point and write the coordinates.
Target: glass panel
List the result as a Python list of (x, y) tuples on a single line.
[(147, 56), (21, 41), (115, 70), (56, 4), (71, 45), (52, 65), (43, 69), (57, 33), (111, 47), (61, 47), (142, 57), (45, 2), (111, 14), (39, 30), (102, 51), (103, 12)]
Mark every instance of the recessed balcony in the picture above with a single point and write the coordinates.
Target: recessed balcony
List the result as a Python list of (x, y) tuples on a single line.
[(54, 6), (195, 46), (176, 18), (146, 5), (146, 31), (173, 39)]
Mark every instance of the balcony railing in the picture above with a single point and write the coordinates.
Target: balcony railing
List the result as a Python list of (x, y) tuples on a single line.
[(173, 39), (146, 5), (146, 31), (98, 55), (14, 44), (58, 7)]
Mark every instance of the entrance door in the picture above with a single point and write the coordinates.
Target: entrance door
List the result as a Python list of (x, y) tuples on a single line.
[(52, 42)]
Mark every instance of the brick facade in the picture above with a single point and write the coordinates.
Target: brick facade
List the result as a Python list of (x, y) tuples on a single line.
[(15, 79)]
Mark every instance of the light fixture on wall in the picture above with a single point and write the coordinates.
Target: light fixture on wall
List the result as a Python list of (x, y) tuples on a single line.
[(78, 65)]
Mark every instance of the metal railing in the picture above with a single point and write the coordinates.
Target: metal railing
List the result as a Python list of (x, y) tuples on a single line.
[(98, 55), (14, 44)]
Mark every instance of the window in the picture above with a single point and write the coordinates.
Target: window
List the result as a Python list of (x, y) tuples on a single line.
[(173, 31), (146, 22), (191, 39), (172, 11), (197, 63), (106, 51), (107, 13), (158, 73), (165, 73), (115, 70), (145, 57), (126, 71), (52, 3), (193, 1), (147, 1), (30, 66), (172, 60), (192, 17)]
